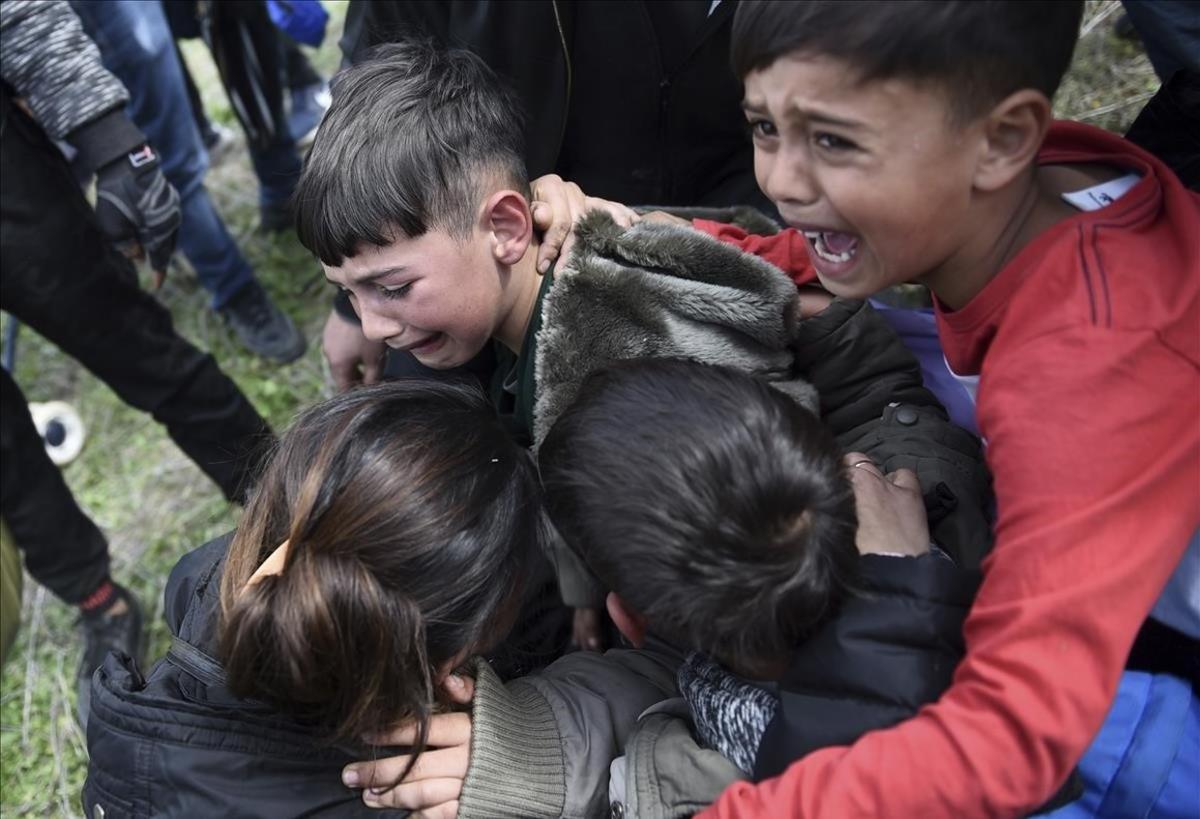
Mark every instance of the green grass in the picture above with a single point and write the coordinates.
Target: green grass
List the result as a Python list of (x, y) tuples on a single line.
[(154, 504)]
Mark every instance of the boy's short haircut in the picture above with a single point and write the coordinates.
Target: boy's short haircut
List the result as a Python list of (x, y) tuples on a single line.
[(410, 142), (980, 51), (714, 505)]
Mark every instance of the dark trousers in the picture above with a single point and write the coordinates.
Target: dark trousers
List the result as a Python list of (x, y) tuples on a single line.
[(61, 277)]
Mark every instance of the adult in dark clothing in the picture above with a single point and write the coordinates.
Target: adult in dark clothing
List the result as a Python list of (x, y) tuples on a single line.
[(64, 279), (634, 101)]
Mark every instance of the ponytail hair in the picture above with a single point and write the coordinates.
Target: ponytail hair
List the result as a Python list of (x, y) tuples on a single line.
[(413, 521)]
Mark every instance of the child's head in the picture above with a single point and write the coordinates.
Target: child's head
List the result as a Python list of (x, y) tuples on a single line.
[(415, 199), (713, 505), (893, 133), (412, 522)]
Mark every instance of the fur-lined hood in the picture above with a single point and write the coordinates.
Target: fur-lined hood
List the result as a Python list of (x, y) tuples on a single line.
[(662, 291)]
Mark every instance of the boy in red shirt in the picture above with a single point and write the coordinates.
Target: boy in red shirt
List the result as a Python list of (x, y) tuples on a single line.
[(914, 142)]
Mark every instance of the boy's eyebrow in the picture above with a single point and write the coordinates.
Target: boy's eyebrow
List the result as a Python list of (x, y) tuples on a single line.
[(372, 275), (812, 115)]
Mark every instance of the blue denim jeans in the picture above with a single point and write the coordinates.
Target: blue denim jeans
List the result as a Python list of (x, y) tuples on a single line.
[(136, 46)]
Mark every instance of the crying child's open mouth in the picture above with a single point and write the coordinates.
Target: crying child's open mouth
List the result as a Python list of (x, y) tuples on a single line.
[(832, 246)]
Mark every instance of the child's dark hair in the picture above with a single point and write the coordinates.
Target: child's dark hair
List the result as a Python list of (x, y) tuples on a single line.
[(413, 523), (409, 142), (713, 504), (980, 51)]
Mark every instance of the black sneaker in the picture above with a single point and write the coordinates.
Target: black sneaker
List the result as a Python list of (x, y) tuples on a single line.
[(101, 634), (261, 326)]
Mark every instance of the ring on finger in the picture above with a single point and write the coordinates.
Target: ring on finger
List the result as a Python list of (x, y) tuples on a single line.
[(870, 467)]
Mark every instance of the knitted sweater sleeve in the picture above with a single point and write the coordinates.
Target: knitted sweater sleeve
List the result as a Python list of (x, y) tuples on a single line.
[(541, 745), (54, 66), (517, 767)]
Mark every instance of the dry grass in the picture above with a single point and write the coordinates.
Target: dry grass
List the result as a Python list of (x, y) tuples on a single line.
[(155, 504), (1110, 79)]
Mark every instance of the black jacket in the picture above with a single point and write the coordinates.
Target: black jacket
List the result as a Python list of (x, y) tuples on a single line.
[(634, 101), (177, 743), (892, 648), (894, 644)]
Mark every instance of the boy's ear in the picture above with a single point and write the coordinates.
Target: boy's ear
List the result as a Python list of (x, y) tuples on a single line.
[(1012, 136), (627, 621), (507, 218)]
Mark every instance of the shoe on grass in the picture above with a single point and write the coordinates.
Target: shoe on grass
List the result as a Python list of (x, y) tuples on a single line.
[(261, 326), (103, 632)]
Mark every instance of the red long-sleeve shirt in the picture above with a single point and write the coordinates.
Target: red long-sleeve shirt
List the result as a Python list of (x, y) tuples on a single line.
[(1088, 349)]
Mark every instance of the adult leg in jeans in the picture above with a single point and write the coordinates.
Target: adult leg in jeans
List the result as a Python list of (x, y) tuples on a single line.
[(63, 279), (308, 91), (300, 72), (136, 45)]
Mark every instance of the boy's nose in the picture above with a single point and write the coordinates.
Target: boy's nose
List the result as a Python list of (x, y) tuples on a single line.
[(377, 327), (789, 180)]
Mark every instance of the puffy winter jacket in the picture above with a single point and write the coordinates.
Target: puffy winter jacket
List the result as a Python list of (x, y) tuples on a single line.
[(176, 742)]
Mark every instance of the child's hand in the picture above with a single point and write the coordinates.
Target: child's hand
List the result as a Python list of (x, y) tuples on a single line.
[(433, 786), (891, 513), (557, 205), (353, 359)]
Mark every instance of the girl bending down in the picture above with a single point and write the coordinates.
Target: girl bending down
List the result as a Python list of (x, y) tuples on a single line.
[(396, 533)]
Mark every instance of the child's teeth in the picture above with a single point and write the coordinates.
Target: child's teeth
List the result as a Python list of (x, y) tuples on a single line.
[(822, 247)]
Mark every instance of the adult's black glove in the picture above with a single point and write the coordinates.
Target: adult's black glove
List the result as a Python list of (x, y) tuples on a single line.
[(136, 205)]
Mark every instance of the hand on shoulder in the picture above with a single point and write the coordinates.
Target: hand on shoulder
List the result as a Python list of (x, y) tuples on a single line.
[(557, 205)]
